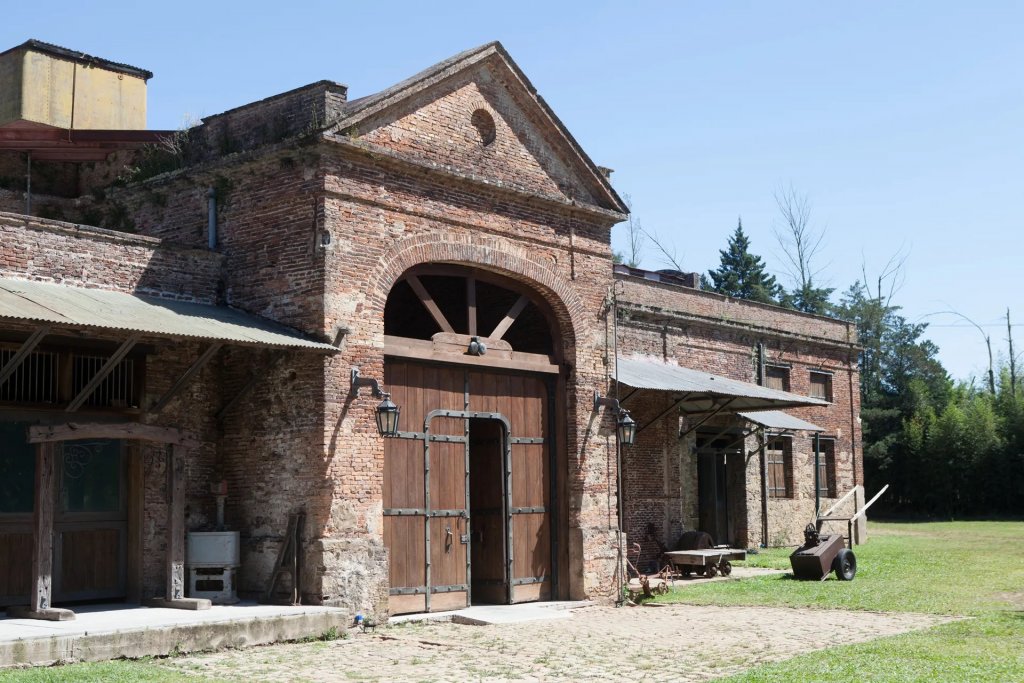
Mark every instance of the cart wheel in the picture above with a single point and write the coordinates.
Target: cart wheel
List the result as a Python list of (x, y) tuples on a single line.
[(698, 570), (845, 565), (725, 568), (686, 571), (710, 571)]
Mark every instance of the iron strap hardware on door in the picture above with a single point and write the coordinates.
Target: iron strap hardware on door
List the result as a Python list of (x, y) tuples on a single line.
[(625, 426), (387, 412)]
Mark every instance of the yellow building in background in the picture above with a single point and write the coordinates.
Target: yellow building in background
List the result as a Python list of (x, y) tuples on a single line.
[(43, 84)]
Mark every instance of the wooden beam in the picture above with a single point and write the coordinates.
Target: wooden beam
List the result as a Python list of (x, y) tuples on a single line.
[(111, 430), (417, 349), (18, 358), (183, 381), (707, 417), (174, 595), (510, 317), (471, 304), (42, 523), (429, 303), (42, 541), (675, 406), (175, 523), (107, 368)]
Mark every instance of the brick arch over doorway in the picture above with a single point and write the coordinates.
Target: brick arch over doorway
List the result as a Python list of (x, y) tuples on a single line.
[(475, 486), (499, 256)]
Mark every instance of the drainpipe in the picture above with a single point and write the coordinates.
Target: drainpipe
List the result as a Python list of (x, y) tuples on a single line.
[(763, 444), (211, 220), (618, 456), (817, 475), (28, 186)]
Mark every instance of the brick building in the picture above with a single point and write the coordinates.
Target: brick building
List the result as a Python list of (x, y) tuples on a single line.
[(248, 291)]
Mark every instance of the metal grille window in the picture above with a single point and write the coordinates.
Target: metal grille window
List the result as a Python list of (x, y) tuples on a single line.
[(117, 390), (35, 380), (826, 468), (777, 378), (780, 468), (821, 386)]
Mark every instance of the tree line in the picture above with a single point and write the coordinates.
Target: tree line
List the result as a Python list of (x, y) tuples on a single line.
[(947, 448)]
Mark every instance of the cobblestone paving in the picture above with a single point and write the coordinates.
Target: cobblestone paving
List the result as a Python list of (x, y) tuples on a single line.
[(665, 643)]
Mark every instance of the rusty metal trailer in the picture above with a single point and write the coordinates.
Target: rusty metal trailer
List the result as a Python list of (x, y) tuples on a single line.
[(708, 562)]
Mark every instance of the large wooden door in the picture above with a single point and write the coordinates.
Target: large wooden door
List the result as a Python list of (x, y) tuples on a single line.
[(91, 521), (433, 480)]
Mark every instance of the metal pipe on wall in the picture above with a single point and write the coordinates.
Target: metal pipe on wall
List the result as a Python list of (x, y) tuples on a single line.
[(211, 219)]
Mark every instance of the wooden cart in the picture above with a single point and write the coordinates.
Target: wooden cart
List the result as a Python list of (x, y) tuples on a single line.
[(709, 562)]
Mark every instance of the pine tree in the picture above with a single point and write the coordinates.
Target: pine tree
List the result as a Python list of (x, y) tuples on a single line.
[(741, 274)]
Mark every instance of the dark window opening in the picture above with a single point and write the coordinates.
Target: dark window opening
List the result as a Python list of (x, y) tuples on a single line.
[(777, 378), (821, 386), (406, 315), (779, 457), (17, 469), (51, 379)]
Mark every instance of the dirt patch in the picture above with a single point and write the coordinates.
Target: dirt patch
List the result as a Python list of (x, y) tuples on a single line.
[(1015, 600), (664, 643)]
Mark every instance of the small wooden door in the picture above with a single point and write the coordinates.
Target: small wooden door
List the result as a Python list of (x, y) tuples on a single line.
[(91, 521), (524, 400)]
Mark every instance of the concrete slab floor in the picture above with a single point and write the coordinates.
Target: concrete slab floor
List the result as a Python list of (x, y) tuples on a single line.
[(114, 618), (481, 615), (106, 631)]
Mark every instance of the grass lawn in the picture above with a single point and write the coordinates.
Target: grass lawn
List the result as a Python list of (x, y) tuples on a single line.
[(967, 568), (140, 671)]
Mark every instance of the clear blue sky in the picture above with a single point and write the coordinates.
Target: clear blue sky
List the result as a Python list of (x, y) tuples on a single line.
[(903, 122)]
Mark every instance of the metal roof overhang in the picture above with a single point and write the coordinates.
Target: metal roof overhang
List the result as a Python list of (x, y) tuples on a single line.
[(779, 421), (79, 308), (698, 392)]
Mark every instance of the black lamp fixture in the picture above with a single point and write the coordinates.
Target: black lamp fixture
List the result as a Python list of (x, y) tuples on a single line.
[(387, 412), (625, 426)]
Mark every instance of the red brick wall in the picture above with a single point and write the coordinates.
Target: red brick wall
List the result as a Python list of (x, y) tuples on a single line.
[(83, 256), (714, 333)]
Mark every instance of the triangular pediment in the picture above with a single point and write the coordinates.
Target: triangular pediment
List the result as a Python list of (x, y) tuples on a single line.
[(476, 115)]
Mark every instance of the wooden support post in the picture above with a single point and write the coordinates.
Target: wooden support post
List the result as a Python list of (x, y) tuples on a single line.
[(42, 546), (501, 328), (27, 348), (186, 378), (428, 302), (98, 378), (175, 593)]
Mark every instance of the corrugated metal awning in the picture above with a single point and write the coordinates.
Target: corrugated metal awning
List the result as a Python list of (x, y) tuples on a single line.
[(778, 420), (78, 308), (701, 392)]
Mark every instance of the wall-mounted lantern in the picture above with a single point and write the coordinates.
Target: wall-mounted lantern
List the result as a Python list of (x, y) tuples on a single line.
[(387, 413), (625, 426)]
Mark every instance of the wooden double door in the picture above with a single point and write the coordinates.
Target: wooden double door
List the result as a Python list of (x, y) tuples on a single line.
[(469, 503), (90, 520)]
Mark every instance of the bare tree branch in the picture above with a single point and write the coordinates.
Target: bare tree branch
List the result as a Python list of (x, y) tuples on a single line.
[(637, 235), (800, 242), (668, 251)]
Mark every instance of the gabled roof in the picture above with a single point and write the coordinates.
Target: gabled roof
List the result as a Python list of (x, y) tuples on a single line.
[(361, 108)]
